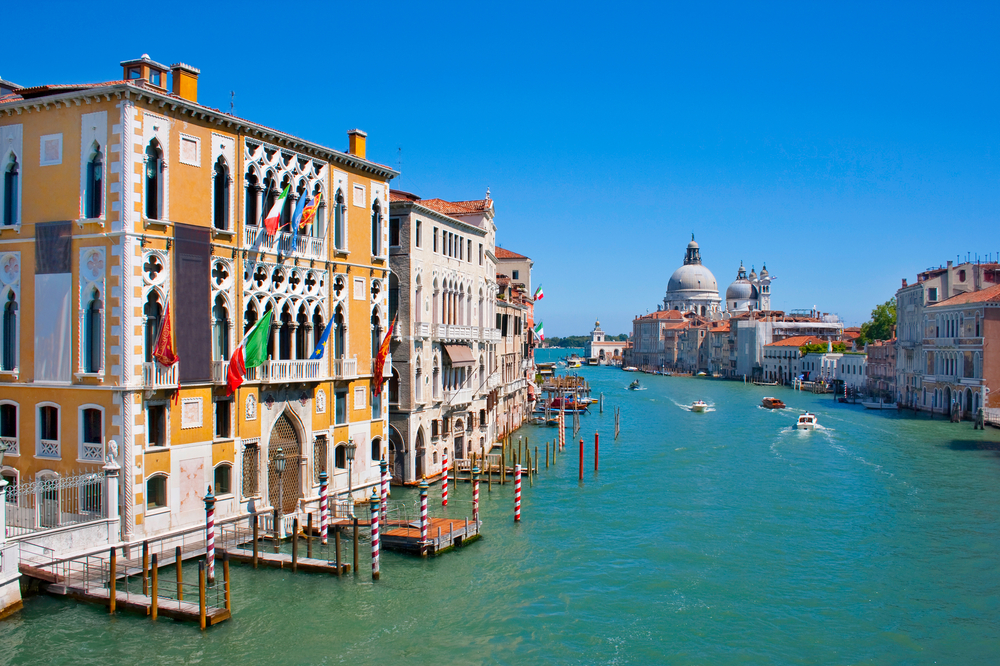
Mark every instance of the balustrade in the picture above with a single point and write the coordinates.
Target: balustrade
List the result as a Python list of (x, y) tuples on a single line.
[(307, 247)]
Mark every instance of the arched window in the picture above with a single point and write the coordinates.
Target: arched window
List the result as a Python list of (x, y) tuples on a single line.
[(270, 192), (340, 457), (154, 181), (302, 334), (156, 491), (92, 194), (286, 209), (220, 212), (9, 356), (418, 302), (376, 228), (418, 383), (10, 192), (220, 329), (376, 449), (93, 330), (318, 327), (436, 381), (319, 220), (223, 479), (339, 333), (393, 296), (285, 335), (153, 313), (339, 221), (376, 333), (394, 388), (250, 213)]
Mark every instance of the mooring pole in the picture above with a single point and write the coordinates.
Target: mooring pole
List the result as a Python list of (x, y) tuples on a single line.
[(423, 517), (210, 534), (178, 561), (295, 544), (225, 577), (201, 594), (255, 534), (309, 535), (355, 545), (155, 590), (475, 495), (375, 515), (517, 493), (145, 567), (596, 447), (444, 481), (113, 584), (324, 507), (581, 459)]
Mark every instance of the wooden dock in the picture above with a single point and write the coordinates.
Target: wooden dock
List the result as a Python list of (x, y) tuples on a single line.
[(442, 535), (284, 561)]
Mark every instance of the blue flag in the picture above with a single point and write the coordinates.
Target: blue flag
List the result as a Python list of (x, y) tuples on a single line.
[(321, 345), (300, 205)]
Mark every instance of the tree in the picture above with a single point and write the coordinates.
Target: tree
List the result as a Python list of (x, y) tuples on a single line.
[(879, 327)]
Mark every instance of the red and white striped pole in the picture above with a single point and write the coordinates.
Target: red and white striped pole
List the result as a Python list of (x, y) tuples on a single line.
[(423, 515), (475, 494), (517, 493), (324, 506), (374, 507), (385, 487), (444, 482), (210, 534)]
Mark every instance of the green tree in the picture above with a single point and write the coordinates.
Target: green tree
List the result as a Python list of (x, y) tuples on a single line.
[(879, 327)]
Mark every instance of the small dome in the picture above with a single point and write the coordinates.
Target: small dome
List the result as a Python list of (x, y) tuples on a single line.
[(693, 244), (763, 271), (753, 274)]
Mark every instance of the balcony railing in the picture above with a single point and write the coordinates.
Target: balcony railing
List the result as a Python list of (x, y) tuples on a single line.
[(460, 397), (345, 368), (307, 247), (275, 371), (13, 448), (155, 376), (421, 329)]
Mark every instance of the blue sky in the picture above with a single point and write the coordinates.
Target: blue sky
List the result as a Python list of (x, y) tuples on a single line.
[(847, 145)]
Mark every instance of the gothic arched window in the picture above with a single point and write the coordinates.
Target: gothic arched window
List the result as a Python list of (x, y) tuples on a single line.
[(153, 313), (220, 185), (92, 195), (250, 214), (376, 228), (154, 181), (220, 329), (339, 221), (10, 190), (93, 334), (9, 356)]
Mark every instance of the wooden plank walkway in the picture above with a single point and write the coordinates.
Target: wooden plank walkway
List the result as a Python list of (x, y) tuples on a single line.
[(284, 561), (442, 534), (138, 603)]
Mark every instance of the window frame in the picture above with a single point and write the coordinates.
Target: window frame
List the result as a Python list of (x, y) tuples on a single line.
[(215, 479), (166, 423), (5, 300), (81, 429), (16, 449), (10, 215), (229, 401), (158, 508)]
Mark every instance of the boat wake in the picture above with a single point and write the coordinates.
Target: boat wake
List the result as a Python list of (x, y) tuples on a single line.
[(687, 408)]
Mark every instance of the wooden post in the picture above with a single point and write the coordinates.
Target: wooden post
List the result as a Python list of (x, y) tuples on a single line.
[(180, 573), (536, 459), (309, 535), (295, 545), (336, 535), (528, 459), (596, 445), (201, 593), (581, 459), (155, 589), (225, 577), (113, 583), (145, 568), (255, 533), (546, 455), (355, 545)]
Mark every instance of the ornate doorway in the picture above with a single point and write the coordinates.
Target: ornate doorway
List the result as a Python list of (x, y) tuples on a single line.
[(284, 438)]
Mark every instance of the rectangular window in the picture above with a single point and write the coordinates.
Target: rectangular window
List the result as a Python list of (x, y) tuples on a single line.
[(461, 249), (417, 234), (480, 254), (251, 458), (222, 420), (468, 254), (155, 77), (932, 295), (435, 239), (8, 421), (133, 73), (340, 412), (359, 196), (394, 231), (376, 405), (515, 275), (92, 428), (156, 425)]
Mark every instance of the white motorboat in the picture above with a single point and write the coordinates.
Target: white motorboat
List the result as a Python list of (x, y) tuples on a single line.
[(807, 422), (630, 368), (699, 406), (878, 405)]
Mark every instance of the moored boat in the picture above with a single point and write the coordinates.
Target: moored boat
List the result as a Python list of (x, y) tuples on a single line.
[(806, 422), (772, 403), (699, 406), (878, 405)]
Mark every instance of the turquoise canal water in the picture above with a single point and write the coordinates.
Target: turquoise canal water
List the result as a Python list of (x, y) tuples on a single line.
[(715, 538)]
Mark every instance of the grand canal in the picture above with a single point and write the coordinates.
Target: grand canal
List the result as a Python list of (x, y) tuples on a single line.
[(715, 538)]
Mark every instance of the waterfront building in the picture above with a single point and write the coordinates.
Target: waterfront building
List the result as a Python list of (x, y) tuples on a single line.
[(656, 339), (719, 349), (129, 203), (514, 398), (601, 350), (515, 266), (932, 286), (960, 361), (749, 292), (444, 350), (692, 287), (750, 332), (781, 360), (881, 369)]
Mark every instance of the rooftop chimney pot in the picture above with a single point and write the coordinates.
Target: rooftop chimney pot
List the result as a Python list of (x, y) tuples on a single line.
[(184, 81), (357, 139)]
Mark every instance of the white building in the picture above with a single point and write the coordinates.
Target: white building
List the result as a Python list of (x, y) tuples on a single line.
[(603, 351), (692, 287), (751, 292)]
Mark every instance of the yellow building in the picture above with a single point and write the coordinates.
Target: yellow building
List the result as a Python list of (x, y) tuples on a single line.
[(121, 197)]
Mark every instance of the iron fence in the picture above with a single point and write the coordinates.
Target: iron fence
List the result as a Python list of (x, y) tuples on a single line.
[(47, 503)]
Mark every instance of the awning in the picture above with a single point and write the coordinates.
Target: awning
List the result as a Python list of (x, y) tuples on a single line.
[(460, 355)]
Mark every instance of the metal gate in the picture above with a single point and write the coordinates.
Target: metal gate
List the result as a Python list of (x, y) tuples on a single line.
[(284, 438)]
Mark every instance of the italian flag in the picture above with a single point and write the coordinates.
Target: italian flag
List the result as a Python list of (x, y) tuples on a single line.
[(251, 353), (540, 331), (271, 221), (538, 294)]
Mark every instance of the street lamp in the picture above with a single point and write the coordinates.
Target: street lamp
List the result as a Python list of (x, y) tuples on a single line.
[(279, 466), (351, 448)]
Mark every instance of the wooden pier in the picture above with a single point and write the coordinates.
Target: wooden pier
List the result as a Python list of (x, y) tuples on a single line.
[(284, 561), (442, 535)]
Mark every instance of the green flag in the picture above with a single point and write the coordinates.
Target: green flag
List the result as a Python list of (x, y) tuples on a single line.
[(255, 345)]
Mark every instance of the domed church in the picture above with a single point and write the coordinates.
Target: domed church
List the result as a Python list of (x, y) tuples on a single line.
[(749, 292), (692, 287)]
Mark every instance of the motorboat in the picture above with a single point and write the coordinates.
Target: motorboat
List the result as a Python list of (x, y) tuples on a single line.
[(630, 368), (806, 422), (772, 403), (699, 406), (634, 386), (702, 374), (575, 364), (878, 405)]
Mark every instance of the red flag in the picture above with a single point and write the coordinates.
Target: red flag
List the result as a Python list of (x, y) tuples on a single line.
[(165, 350), (383, 352)]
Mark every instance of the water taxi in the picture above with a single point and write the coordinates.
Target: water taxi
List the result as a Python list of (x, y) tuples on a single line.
[(630, 368), (634, 386), (699, 406), (772, 403), (806, 422)]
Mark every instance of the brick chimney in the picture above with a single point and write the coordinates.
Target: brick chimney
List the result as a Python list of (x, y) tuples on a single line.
[(357, 143), (904, 282), (184, 79)]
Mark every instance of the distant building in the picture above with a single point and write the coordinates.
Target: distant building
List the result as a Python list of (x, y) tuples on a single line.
[(751, 292), (515, 266), (881, 369), (605, 352), (692, 287)]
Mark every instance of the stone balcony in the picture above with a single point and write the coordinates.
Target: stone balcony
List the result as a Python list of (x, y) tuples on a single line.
[(156, 376), (301, 370), (458, 397), (301, 246)]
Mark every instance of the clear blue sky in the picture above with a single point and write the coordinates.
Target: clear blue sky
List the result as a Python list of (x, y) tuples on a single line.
[(847, 145)]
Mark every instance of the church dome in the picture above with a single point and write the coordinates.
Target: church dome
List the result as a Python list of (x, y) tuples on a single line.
[(741, 290), (692, 277), (763, 271)]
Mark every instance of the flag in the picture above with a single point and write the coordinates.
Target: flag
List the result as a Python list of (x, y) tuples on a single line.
[(321, 345), (301, 205), (251, 353), (165, 350), (309, 213), (538, 294), (540, 331), (271, 221), (383, 352)]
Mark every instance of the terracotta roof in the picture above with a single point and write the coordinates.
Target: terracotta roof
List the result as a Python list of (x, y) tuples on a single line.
[(458, 207), (56, 88), (662, 314), (988, 295), (797, 341), (851, 334), (503, 253), (400, 195)]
